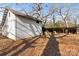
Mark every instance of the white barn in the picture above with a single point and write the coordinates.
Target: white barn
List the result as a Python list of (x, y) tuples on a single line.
[(18, 25)]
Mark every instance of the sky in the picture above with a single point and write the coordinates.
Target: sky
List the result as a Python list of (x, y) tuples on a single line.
[(28, 7)]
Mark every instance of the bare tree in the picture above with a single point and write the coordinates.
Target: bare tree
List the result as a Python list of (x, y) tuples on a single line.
[(50, 12), (36, 10), (64, 16)]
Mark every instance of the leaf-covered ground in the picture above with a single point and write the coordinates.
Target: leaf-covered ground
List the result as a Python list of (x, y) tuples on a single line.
[(53, 45)]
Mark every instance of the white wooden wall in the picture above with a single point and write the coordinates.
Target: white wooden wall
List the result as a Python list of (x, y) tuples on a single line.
[(27, 28), (17, 27), (9, 26)]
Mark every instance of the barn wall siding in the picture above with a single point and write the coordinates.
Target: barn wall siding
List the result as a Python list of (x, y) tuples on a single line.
[(18, 27), (9, 26), (27, 28)]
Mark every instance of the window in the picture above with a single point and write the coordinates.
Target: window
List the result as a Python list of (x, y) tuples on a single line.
[(37, 21), (9, 14)]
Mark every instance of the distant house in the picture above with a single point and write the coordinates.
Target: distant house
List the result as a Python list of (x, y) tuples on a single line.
[(18, 25)]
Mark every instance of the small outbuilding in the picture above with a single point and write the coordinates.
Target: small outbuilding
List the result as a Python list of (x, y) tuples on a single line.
[(18, 25)]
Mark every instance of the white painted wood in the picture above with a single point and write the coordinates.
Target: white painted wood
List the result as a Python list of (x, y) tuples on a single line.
[(27, 28), (19, 27), (9, 26)]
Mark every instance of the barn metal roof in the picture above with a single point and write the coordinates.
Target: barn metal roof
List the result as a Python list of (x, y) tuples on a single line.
[(23, 14)]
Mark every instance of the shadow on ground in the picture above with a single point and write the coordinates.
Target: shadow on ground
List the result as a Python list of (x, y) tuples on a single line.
[(52, 48), (25, 44)]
